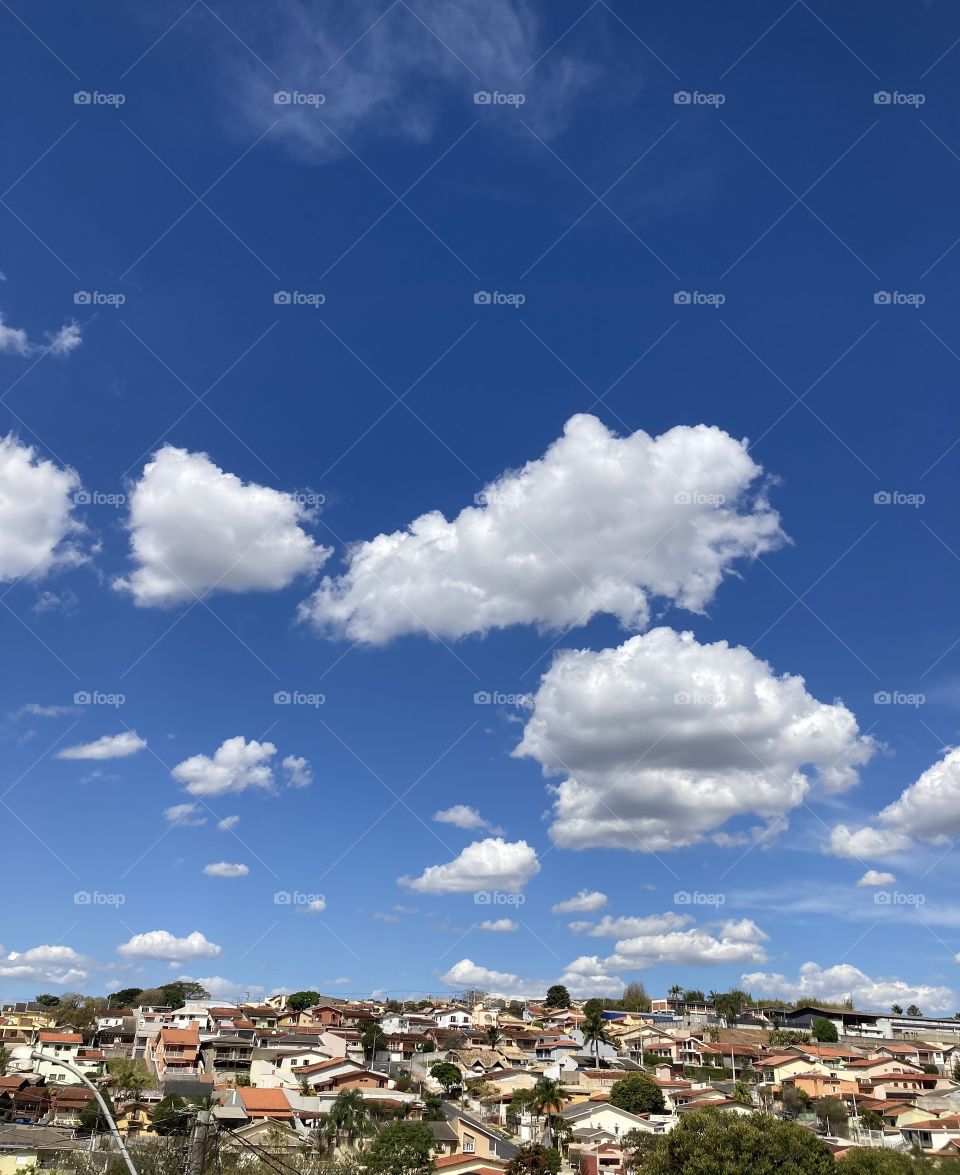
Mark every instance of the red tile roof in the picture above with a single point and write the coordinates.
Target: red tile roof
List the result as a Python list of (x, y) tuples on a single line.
[(60, 1037), (265, 1103)]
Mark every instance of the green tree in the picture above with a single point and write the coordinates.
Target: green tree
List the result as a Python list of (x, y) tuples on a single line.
[(833, 1113), (871, 1120), (694, 996), (635, 998), (494, 1036), (447, 1074), (534, 1159), (880, 1161), (348, 1122), (433, 1108), (637, 1093), (784, 1036), (676, 992), (46, 1000), (595, 1032), (825, 1031), (896, 1009), (303, 999), (79, 1011), (91, 1117), (741, 1093), (729, 1005), (913, 1010), (557, 997), (546, 1098), (126, 997), (372, 1039), (170, 1116), (515, 1009), (637, 1146), (402, 1148), (711, 1142), (5, 1059), (128, 1078)]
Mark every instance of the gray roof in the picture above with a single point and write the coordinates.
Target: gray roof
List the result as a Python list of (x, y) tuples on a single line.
[(37, 1138)]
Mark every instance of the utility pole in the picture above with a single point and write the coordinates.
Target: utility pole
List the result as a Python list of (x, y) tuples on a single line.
[(38, 1056), (199, 1134)]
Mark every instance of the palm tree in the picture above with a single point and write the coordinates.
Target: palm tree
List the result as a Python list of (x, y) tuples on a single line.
[(595, 1032), (494, 1036), (896, 1009), (547, 1098), (348, 1121), (675, 992)]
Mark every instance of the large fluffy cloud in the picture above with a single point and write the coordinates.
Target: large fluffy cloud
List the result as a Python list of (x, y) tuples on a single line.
[(844, 981), (161, 944), (583, 977), (734, 942), (662, 740), (598, 524), (36, 499), (862, 844), (195, 528), (491, 864), (108, 746), (44, 964), (237, 765)]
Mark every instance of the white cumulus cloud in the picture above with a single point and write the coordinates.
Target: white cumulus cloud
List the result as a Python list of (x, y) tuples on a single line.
[(15, 341), (844, 981), (598, 524), (225, 869), (491, 864), (861, 844), (195, 528), (237, 765), (36, 523), (662, 740), (873, 877), (297, 771), (735, 942), (585, 902), (60, 965), (499, 925), (463, 816), (161, 944), (109, 746), (609, 927)]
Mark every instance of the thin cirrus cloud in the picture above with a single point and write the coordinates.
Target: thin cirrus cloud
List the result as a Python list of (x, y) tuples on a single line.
[(662, 740), (491, 864), (389, 63), (162, 944), (188, 815), (38, 532), (16, 341), (195, 528), (584, 902), (598, 524), (499, 925), (109, 746), (237, 765)]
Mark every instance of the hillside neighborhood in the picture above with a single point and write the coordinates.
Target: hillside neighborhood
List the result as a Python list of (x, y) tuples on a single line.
[(304, 1077)]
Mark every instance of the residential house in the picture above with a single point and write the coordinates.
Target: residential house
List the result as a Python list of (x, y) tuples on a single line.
[(175, 1052), (452, 1017), (58, 1046)]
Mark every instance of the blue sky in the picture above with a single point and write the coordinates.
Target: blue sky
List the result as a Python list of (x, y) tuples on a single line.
[(242, 339)]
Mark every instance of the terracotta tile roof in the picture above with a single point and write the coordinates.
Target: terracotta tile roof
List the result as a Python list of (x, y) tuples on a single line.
[(52, 1037), (266, 1103)]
